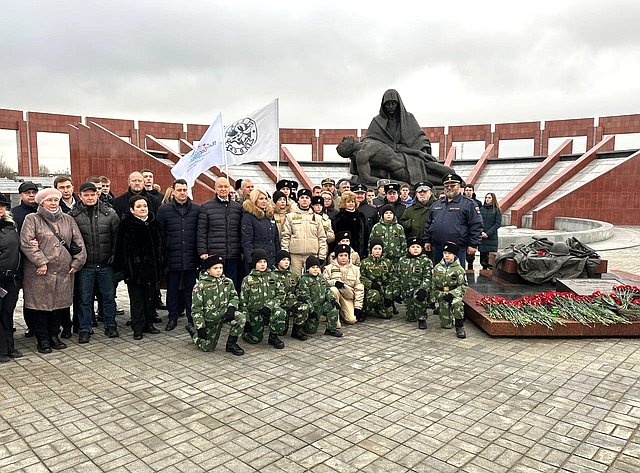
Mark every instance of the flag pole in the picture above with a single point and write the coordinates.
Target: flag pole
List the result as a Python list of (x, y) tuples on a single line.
[(278, 131), (224, 148)]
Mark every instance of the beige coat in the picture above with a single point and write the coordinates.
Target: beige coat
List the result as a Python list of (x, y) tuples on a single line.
[(303, 234), (349, 274), (54, 290)]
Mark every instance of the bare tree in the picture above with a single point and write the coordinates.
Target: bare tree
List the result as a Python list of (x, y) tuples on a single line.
[(5, 169), (43, 170)]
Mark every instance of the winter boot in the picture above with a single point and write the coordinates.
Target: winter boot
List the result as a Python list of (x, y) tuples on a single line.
[(233, 347), (460, 333), (296, 332), (422, 324), (275, 341)]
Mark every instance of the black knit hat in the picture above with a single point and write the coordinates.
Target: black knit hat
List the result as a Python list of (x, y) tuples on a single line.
[(311, 261), (376, 241), (258, 255), (317, 200), (385, 207), (282, 254), (451, 247), (342, 249), (211, 261), (277, 195)]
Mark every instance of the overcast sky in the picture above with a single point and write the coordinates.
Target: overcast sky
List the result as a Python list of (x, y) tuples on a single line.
[(328, 61)]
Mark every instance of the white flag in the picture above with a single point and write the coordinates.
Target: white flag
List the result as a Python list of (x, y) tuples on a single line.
[(208, 153), (254, 137)]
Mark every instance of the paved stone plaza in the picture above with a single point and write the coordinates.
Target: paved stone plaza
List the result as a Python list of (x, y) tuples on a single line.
[(385, 398)]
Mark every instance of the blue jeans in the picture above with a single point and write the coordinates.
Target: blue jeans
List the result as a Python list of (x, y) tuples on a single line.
[(179, 292), (87, 277)]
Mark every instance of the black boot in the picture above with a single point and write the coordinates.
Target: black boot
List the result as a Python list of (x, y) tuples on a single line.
[(333, 332), (275, 341), (44, 346), (296, 332), (233, 347), (422, 324), (460, 333), (192, 331), (56, 343)]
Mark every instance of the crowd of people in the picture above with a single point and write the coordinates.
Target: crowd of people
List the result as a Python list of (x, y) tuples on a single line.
[(253, 258)]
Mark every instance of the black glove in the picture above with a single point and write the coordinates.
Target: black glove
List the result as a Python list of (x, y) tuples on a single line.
[(202, 332), (388, 302), (229, 314), (376, 286), (339, 284), (421, 294), (358, 313), (265, 312), (335, 304), (448, 298)]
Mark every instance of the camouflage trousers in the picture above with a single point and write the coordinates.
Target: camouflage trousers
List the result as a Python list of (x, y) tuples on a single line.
[(415, 309), (327, 309), (254, 331), (374, 304), (448, 312), (298, 313), (214, 327)]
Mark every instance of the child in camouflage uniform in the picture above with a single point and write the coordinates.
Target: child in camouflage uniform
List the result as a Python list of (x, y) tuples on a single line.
[(344, 238), (215, 301), (261, 296), (376, 274), (296, 311), (449, 284), (344, 279), (314, 290), (415, 283)]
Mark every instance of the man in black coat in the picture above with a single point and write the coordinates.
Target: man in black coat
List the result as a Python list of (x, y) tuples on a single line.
[(369, 211), (136, 187), (178, 221), (28, 205), (219, 230)]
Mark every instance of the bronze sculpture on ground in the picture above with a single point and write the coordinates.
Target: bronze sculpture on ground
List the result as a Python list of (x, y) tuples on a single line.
[(395, 148)]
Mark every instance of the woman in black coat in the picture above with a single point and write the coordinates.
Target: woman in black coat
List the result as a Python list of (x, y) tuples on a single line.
[(9, 265), (139, 257), (349, 219), (258, 228), (492, 219)]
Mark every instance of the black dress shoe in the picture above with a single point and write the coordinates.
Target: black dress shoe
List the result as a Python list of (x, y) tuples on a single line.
[(137, 335), (4, 359), (111, 332), (66, 333), (171, 324), (13, 353), (150, 329), (333, 332), (84, 337), (56, 344), (44, 347)]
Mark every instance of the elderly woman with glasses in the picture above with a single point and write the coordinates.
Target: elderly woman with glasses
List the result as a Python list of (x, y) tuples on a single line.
[(54, 250)]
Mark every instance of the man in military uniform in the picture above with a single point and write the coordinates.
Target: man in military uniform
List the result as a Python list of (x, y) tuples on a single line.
[(369, 211), (413, 218), (344, 278), (296, 311), (215, 301), (261, 297), (449, 284), (415, 282), (376, 275), (453, 218), (314, 289), (392, 197)]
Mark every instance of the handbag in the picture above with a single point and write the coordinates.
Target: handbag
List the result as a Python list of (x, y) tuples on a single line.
[(73, 249)]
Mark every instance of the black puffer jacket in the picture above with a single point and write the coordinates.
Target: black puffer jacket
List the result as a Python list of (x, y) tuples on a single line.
[(99, 227), (219, 228), (179, 225), (355, 223), (139, 250), (9, 249)]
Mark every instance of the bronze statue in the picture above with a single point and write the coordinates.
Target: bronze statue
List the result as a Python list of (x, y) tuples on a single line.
[(395, 148)]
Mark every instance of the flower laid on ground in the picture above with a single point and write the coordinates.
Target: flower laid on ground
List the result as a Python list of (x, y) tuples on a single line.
[(552, 308)]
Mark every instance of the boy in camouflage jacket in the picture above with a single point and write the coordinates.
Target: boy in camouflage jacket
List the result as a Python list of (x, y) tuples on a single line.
[(215, 301), (261, 296), (415, 283), (296, 311), (314, 290), (449, 283), (376, 273), (391, 233)]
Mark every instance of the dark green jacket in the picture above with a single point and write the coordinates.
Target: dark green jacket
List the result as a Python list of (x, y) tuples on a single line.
[(413, 218)]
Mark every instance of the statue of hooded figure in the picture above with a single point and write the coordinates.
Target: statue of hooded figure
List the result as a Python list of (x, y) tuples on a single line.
[(395, 147)]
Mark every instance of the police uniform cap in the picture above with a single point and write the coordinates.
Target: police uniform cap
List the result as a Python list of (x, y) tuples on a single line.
[(306, 192), (423, 186), (212, 260), (27, 186), (282, 183), (376, 241), (358, 188), (392, 187), (317, 200), (414, 241), (451, 178), (451, 247), (382, 182), (258, 255), (328, 180), (345, 234), (88, 186), (282, 254), (311, 261), (342, 249)]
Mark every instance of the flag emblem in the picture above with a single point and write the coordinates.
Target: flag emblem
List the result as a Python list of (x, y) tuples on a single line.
[(241, 136)]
